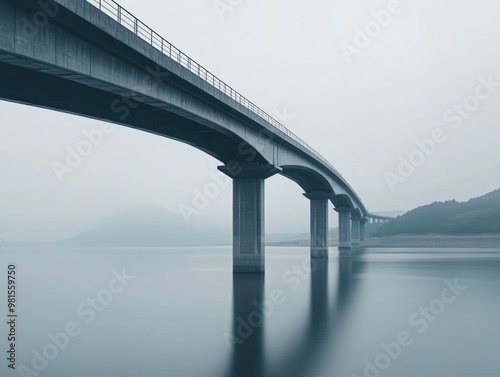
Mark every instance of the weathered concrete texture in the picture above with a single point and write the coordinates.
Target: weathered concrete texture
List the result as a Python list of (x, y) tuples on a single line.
[(248, 225), (355, 231), (7, 26), (248, 214), (344, 231), (319, 224)]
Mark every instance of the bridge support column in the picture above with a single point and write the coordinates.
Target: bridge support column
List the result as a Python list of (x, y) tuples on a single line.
[(344, 231), (248, 214), (319, 223), (362, 230), (356, 224)]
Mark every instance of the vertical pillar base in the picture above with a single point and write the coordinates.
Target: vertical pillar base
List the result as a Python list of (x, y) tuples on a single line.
[(244, 264), (362, 230), (344, 251), (356, 224), (344, 231), (248, 214), (319, 253), (319, 223)]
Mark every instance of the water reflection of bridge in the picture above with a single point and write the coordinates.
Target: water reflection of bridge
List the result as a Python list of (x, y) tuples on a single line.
[(326, 310)]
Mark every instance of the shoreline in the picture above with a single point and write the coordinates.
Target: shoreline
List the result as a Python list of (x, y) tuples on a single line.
[(399, 241), (416, 241), (436, 240)]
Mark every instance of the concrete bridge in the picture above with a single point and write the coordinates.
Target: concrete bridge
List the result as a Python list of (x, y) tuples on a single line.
[(92, 58), (379, 219)]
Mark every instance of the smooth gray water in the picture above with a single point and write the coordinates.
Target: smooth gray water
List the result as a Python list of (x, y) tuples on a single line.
[(178, 315)]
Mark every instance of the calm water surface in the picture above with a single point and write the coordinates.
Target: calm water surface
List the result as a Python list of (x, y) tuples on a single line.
[(386, 312)]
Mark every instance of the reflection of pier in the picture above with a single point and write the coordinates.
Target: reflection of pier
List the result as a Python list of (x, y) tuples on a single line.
[(248, 356), (324, 317)]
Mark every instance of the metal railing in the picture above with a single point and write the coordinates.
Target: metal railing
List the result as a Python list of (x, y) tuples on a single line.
[(132, 23)]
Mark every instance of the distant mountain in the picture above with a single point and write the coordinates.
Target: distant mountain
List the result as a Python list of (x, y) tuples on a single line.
[(476, 216), (148, 226), (156, 226)]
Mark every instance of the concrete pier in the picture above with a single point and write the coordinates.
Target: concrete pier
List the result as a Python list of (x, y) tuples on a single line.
[(356, 224), (319, 223), (248, 215), (344, 231), (362, 230)]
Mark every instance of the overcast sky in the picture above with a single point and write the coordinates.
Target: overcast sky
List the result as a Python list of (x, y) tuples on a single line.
[(362, 107)]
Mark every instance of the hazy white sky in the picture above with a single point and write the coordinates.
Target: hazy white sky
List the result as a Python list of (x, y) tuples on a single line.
[(362, 114)]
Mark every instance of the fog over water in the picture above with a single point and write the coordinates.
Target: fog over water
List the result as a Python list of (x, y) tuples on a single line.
[(181, 312)]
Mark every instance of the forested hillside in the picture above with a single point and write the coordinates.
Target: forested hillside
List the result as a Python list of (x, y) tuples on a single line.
[(476, 216)]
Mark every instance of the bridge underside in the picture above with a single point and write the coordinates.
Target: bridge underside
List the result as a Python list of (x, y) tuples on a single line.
[(83, 63), (33, 87), (308, 179)]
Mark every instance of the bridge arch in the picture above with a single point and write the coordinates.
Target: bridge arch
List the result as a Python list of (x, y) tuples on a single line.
[(343, 201), (308, 179)]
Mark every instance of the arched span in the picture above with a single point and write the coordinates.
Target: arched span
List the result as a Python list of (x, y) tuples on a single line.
[(123, 108), (310, 180), (343, 201), (356, 213)]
